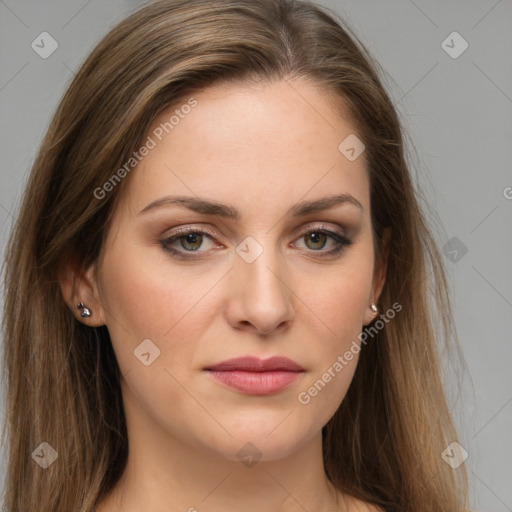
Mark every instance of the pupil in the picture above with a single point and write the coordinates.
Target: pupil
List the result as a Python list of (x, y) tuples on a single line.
[(316, 238), (191, 239)]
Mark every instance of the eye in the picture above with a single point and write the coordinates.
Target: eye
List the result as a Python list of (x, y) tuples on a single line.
[(316, 239), (186, 240), (189, 242)]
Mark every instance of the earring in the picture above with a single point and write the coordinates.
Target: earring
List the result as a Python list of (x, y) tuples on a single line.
[(373, 307), (85, 312)]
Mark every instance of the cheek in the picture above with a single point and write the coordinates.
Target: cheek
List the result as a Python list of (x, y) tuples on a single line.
[(336, 355), (320, 397), (336, 319), (338, 301), (148, 302), (147, 296), (170, 309)]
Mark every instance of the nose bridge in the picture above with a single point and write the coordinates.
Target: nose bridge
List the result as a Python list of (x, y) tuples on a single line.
[(262, 296), (260, 265)]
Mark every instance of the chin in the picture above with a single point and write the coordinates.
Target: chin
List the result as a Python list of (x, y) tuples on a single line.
[(258, 442)]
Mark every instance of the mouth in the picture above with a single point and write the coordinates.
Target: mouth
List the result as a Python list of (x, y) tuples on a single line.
[(255, 376)]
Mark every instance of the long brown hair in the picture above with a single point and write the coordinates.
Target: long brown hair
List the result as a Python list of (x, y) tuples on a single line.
[(384, 443)]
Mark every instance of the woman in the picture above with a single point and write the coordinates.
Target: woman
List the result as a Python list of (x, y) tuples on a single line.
[(217, 288)]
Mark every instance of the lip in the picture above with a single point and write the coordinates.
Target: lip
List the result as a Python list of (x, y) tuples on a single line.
[(254, 364), (255, 376)]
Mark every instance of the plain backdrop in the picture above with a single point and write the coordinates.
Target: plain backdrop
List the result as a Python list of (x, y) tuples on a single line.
[(456, 105)]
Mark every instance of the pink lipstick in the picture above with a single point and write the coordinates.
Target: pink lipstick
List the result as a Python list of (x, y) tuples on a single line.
[(256, 376)]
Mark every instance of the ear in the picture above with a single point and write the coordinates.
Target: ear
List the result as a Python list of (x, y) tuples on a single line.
[(379, 275), (79, 285)]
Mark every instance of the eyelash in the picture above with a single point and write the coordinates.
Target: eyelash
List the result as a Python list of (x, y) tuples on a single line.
[(341, 241)]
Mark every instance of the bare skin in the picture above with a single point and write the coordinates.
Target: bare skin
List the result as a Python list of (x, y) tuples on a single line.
[(261, 150)]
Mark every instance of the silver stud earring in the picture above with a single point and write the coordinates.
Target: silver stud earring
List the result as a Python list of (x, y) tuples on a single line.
[(85, 311), (373, 307)]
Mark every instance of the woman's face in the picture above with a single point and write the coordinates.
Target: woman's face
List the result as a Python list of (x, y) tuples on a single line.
[(248, 279)]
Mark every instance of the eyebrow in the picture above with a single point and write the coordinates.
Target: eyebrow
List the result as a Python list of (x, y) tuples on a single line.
[(204, 206)]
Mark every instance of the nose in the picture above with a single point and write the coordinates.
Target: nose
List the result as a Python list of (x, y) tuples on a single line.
[(259, 297)]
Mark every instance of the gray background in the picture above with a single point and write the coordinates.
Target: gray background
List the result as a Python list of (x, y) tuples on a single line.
[(457, 112)]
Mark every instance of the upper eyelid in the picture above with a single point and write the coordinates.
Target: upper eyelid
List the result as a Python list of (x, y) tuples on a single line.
[(183, 231), (339, 230)]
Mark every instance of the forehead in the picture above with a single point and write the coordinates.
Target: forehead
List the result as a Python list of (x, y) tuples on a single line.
[(251, 144)]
